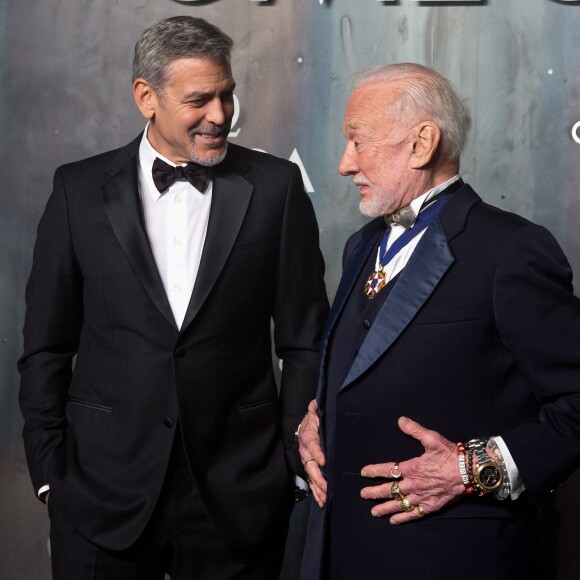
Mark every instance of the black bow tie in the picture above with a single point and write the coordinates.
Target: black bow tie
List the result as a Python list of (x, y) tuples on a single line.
[(164, 175)]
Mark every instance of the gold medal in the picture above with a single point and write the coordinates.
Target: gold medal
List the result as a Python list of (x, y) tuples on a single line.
[(377, 280)]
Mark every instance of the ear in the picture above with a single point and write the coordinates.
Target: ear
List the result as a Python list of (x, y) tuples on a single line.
[(427, 136), (145, 98)]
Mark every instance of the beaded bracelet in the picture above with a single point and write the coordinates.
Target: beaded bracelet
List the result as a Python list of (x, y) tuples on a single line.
[(463, 471)]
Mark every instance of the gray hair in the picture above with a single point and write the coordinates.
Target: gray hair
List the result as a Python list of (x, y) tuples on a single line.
[(174, 38), (424, 92)]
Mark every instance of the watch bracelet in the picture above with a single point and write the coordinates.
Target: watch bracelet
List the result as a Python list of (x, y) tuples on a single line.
[(470, 451), (478, 447), (505, 488)]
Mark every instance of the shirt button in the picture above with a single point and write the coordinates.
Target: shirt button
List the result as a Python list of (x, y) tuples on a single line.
[(367, 324), (178, 199), (179, 352), (177, 242), (168, 422)]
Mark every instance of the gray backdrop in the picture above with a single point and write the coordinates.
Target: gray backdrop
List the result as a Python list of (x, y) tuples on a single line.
[(65, 94)]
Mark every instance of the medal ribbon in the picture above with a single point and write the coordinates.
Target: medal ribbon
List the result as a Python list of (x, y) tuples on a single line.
[(424, 220)]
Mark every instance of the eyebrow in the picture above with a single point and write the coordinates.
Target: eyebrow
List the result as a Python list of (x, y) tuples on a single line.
[(202, 94), (351, 127)]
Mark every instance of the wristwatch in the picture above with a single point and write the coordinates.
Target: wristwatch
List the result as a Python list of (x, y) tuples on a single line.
[(487, 474)]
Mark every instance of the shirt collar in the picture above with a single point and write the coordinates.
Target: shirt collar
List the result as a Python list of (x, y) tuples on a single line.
[(417, 204), (147, 155)]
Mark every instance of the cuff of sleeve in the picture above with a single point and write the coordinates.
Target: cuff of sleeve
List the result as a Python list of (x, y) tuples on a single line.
[(42, 490), (515, 479), (301, 483)]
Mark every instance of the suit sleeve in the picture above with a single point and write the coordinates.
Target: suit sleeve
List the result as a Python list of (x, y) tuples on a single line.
[(300, 310), (538, 318), (51, 335)]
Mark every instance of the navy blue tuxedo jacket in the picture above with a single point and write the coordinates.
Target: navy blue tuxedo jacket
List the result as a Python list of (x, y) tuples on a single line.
[(479, 336), (108, 378)]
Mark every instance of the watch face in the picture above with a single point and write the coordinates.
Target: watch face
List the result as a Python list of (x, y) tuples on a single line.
[(489, 477)]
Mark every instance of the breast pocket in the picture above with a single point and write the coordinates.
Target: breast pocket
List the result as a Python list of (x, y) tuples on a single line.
[(90, 405), (254, 248), (455, 313)]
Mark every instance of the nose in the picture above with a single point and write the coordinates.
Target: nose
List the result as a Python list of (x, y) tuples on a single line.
[(347, 165), (215, 112)]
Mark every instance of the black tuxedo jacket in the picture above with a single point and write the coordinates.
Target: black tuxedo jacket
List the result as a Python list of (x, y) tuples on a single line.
[(479, 336), (108, 379)]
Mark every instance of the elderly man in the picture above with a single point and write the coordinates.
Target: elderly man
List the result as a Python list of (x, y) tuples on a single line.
[(158, 269), (449, 385)]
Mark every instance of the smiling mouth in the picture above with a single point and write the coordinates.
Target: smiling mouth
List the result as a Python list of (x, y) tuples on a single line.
[(213, 138)]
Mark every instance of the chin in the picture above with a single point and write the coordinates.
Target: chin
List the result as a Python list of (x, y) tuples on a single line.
[(211, 157), (370, 209)]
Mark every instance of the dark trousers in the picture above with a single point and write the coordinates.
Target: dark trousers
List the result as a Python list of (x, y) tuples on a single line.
[(179, 540)]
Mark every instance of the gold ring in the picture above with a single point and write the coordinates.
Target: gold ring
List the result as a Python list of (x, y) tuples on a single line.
[(306, 462), (395, 493), (396, 475), (420, 511), (406, 505)]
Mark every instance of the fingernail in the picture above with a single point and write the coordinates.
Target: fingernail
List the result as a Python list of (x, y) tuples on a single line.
[(374, 514), (363, 493), (363, 473), (404, 419)]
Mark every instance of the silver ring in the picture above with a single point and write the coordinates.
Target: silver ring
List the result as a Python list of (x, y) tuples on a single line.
[(398, 469)]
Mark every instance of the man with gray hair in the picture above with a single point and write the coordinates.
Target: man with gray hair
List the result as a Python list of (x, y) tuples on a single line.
[(448, 401), (154, 427)]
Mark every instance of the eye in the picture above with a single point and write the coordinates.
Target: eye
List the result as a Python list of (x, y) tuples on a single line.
[(197, 103), (357, 144)]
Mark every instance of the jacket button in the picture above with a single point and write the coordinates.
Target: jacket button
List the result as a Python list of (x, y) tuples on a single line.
[(367, 324), (179, 352), (168, 422)]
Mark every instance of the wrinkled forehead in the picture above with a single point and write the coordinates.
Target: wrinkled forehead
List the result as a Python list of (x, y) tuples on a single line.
[(370, 108)]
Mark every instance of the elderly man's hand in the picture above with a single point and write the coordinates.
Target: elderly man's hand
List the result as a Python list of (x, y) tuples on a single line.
[(428, 482), (311, 453)]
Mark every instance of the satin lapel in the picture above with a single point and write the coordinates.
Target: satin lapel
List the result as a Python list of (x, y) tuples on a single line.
[(230, 199), (123, 206), (352, 269), (429, 262)]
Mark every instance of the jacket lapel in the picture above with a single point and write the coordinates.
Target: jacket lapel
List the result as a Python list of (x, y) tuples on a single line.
[(230, 199), (123, 206), (429, 262)]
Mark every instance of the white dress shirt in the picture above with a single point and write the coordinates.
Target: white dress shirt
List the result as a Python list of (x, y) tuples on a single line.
[(176, 223)]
